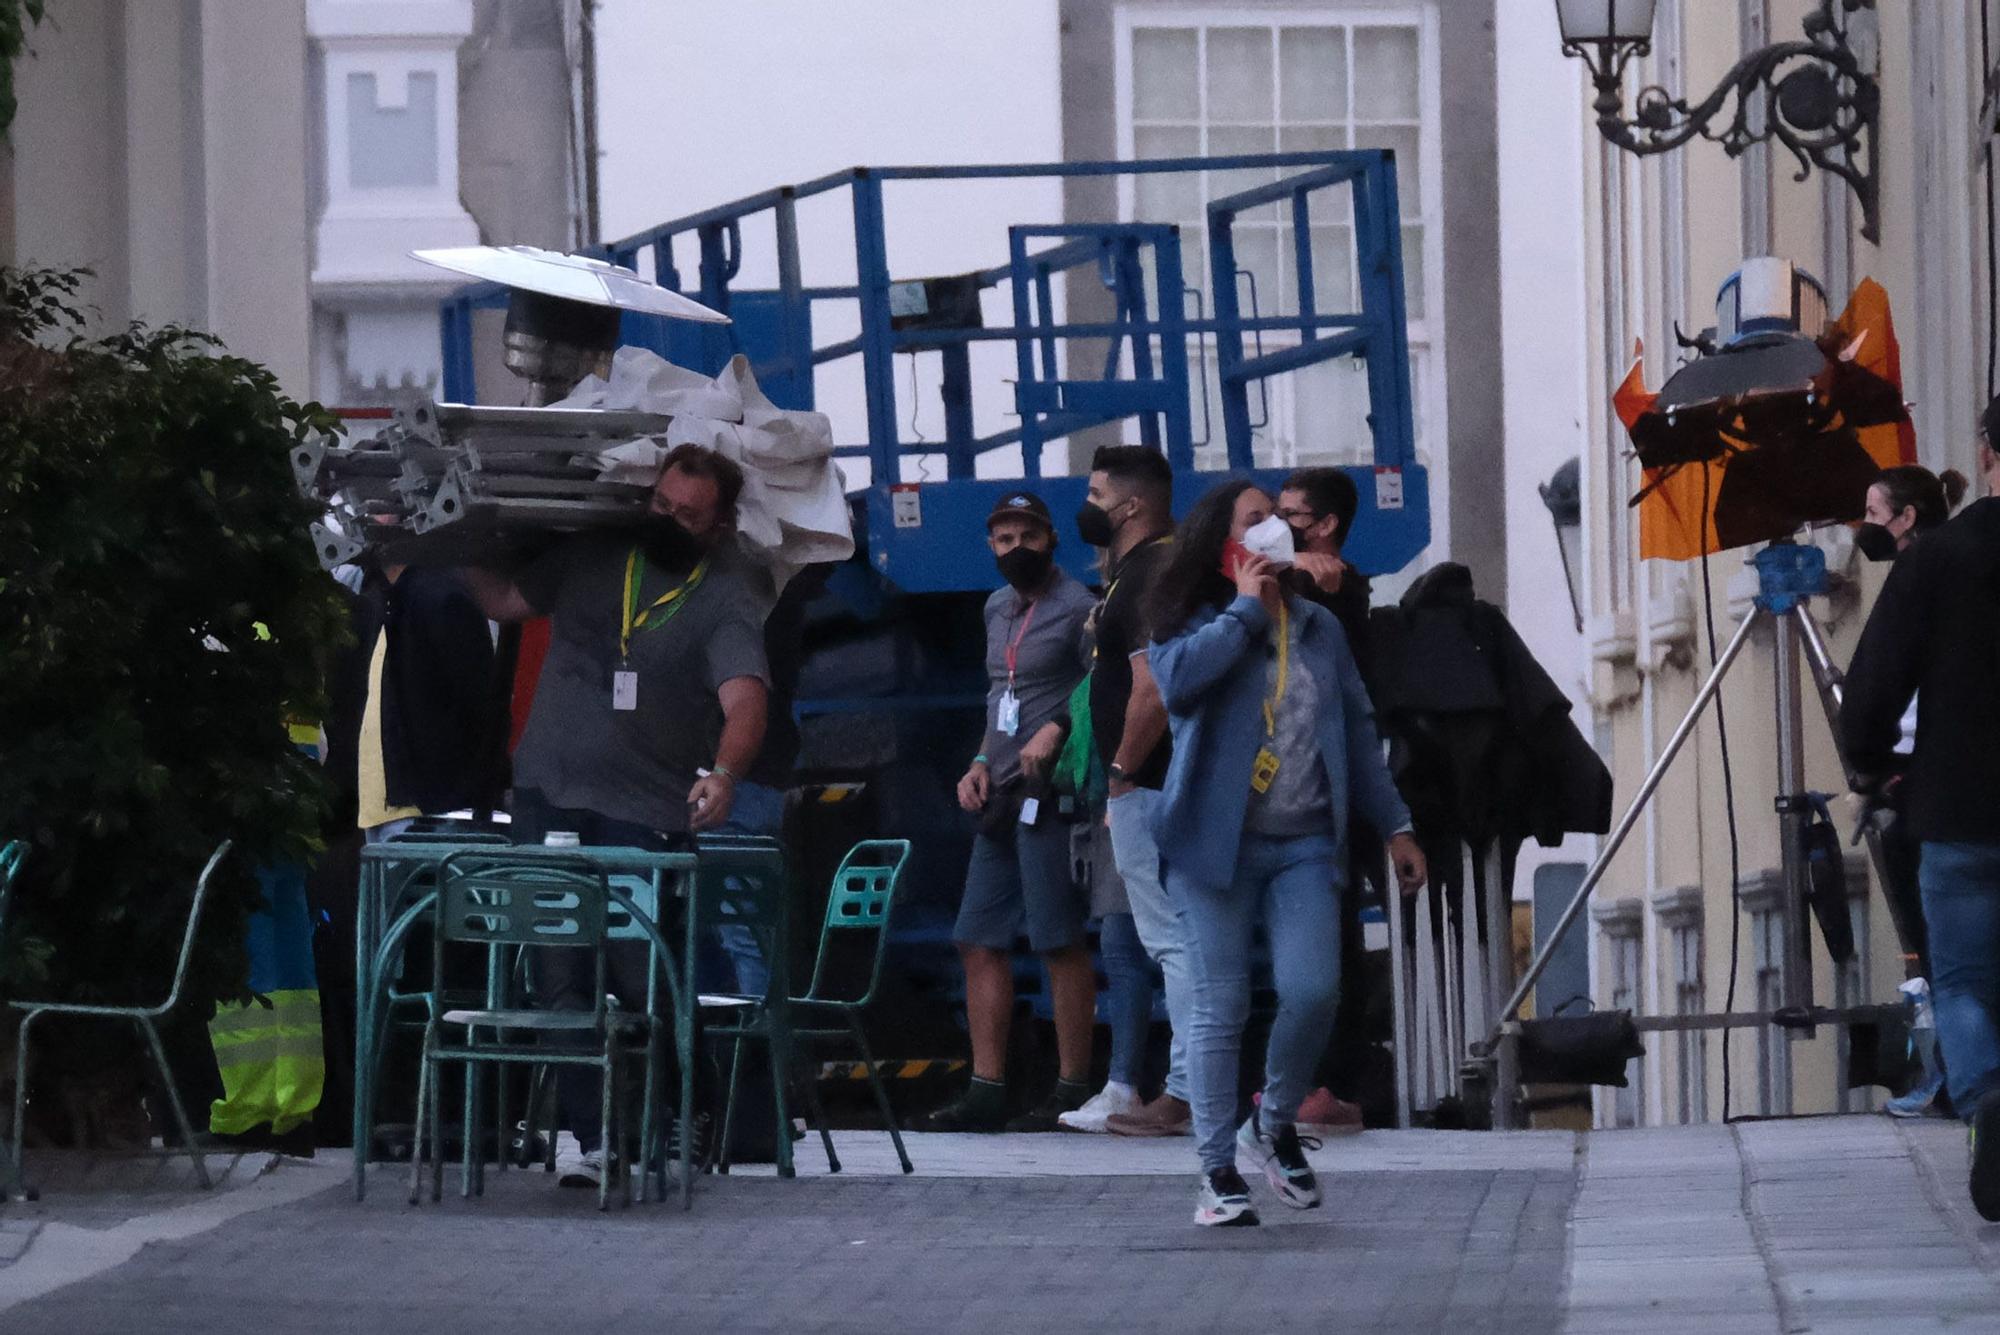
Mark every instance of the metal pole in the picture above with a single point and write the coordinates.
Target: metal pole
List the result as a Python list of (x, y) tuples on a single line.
[(1500, 973), (1402, 985), (1616, 840), (1792, 811), (593, 228)]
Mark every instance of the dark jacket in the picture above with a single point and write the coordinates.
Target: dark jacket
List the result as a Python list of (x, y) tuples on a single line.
[(1935, 633), (1349, 606), (436, 686), (1480, 739)]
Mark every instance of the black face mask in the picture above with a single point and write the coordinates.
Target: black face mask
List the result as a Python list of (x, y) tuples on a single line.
[(1025, 568), (668, 544), (1876, 542), (1299, 538), (1093, 525)]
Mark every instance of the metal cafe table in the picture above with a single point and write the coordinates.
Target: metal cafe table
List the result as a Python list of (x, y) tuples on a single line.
[(398, 888)]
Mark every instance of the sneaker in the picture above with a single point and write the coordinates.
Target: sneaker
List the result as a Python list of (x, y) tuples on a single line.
[(1325, 1112), (1223, 1201), (982, 1108), (1164, 1116), (1923, 1101), (1067, 1096), (1113, 1098), (1282, 1156), (1984, 1135), (581, 1170)]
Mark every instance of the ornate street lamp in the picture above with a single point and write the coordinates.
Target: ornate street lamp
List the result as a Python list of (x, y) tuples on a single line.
[(1818, 96), (1564, 498)]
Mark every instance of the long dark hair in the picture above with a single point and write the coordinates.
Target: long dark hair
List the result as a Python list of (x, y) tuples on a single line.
[(1193, 578), (1931, 495)]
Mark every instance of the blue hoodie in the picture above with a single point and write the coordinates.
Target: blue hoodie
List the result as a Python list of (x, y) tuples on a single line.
[(1213, 679)]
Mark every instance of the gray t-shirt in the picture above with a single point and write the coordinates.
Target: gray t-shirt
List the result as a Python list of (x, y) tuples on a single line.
[(1049, 661), (638, 764), (1300, 800)]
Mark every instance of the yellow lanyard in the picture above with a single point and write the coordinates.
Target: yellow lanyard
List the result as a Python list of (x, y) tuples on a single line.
[(1277, 696), (673, 600), (1112, 588)]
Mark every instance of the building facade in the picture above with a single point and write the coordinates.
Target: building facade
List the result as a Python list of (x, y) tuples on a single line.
[(1602, 248), (260, 168)]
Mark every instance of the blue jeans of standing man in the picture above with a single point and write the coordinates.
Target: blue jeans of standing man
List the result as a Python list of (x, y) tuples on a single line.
[(1294, 885), (1961, 889), (1155, 917), (1128, 975)]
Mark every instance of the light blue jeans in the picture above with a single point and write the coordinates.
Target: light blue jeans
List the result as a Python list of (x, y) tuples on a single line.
[(1961, 889), (1294, 885), (1156, 918)]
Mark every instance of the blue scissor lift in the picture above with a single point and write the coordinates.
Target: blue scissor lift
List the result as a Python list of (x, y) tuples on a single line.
[(893, 681)]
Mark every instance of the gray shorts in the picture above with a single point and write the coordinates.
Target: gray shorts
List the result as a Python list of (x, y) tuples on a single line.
[(1021, 880)]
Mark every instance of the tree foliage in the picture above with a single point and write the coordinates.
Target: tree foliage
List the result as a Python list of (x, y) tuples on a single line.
[(161, 616), (16, 17)]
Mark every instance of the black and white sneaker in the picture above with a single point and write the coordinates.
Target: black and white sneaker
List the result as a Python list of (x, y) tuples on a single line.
[(1985, 1136), (1224, 1201), (1282, 1156)]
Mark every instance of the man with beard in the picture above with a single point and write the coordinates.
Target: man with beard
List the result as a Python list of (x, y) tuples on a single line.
[(650, 708), (1020, 879)]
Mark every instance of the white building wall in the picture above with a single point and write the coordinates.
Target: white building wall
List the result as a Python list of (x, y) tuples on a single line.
[(712, 100)]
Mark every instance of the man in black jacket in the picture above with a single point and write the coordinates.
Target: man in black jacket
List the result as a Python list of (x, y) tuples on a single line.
[(1935, 634), (411, 717)]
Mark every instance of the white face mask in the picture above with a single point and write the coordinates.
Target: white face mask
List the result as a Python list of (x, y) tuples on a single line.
[(1271, 540)]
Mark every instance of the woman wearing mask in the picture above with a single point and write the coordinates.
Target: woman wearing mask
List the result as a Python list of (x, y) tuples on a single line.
[(1273, 737), (1903, 503)]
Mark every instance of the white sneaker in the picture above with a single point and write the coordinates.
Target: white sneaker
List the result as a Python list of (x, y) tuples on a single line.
[(580, 1170), (1111, 1101)]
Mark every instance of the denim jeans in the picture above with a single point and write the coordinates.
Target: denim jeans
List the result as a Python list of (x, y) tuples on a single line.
[(1294, 884), (1128, 995), (1961, 887), (757, 810), (1156, 918)]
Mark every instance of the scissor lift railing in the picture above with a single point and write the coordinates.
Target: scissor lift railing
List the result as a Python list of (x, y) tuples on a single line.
[(918, 541)]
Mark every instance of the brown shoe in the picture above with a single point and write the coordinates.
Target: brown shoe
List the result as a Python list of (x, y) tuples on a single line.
[(1164, 1116)]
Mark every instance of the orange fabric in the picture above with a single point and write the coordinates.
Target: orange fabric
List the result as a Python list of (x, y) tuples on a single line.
[(1677, 514)]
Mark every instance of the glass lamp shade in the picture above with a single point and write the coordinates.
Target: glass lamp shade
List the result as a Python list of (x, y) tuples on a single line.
[(1605, 20)]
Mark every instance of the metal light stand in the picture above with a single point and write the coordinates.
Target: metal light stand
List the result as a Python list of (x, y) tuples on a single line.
[(1788, 575)]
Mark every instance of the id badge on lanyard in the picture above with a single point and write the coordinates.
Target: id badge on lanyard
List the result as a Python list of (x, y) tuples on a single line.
[(624, 689), (1008, 717)]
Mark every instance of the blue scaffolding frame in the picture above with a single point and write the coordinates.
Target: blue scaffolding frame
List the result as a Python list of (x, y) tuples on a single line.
[(774, 328)]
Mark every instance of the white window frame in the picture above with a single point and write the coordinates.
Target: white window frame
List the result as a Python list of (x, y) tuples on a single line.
[(1774, 1048), (1425, 335), (1690, 998)]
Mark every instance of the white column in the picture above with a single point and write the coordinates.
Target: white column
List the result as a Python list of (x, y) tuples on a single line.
[(389, 114)]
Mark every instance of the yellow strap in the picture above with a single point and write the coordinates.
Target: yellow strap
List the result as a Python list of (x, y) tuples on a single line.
[(1277, 696), (631, 619)]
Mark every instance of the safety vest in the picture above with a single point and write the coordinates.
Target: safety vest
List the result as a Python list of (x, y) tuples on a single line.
[(270, 1052)]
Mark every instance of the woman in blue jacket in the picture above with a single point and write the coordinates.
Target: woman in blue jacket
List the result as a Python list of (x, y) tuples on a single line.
[(1273, 738)]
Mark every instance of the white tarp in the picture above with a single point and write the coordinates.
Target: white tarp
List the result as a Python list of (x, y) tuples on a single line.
[(793, 512)]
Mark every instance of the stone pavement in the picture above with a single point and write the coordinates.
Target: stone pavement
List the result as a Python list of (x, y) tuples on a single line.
[(1838, 1224)]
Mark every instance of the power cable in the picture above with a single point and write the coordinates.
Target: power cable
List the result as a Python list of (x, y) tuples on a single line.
[(1728, 797)]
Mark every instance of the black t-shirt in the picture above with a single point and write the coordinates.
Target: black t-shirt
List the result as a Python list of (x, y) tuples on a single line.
[(1122, 632)]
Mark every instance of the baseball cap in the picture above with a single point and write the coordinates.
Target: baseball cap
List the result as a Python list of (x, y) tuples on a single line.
[(1021, 505)]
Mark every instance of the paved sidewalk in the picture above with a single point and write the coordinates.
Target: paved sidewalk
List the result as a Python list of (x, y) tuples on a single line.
[(1835, 1225)]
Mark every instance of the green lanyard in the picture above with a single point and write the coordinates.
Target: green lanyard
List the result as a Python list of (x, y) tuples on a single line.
[(673, 600)]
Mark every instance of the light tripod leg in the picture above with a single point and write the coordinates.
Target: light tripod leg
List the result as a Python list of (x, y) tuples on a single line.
[(1793, 816), (1622, 829)]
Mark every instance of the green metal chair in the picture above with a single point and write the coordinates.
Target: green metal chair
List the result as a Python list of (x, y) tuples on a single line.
[(510, 906), (741, 881), (142, 1016), (862, 896)]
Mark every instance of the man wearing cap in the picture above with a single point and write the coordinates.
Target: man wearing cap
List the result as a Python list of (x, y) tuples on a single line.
[(1020, 878)]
